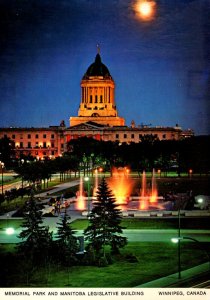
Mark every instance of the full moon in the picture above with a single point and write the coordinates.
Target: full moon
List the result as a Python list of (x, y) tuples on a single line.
[(145, 9)]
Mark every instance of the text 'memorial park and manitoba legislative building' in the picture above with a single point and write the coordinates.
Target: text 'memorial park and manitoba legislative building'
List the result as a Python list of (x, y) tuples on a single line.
[(97, 118)]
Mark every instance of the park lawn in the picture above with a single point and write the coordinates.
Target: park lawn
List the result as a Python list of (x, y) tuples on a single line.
[(153, 260), (149, 223), (13, 204), (14, 223), (11, 179), (130, 223)]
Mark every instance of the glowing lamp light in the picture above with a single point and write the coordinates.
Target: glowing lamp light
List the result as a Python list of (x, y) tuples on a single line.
[(86, 178), (200, 200), (175, 240), (10, 231)]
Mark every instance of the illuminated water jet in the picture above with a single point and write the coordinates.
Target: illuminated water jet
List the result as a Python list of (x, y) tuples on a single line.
[(121, 185), (80, 204), (154, 193), (143, 203), (95, 184)]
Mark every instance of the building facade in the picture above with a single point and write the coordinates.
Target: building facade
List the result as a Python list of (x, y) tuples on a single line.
[(97, 118), (97, 97), (37, 142)]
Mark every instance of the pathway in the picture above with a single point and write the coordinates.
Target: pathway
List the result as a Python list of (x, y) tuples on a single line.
[(59, 188)]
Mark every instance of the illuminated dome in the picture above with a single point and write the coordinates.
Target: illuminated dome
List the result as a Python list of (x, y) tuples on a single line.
[(97, 69)]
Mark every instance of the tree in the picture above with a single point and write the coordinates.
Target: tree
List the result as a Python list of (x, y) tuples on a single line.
[(66, 243), (105, 218), (6, 151), (36, 237)]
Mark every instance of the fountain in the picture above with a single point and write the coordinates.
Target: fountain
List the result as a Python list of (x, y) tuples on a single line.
[(154, 194), (148, 198), (80, 204), (96, 183), (143, 201), (121, 185)]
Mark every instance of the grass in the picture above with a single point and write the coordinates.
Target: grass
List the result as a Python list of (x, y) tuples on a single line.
[(13, 204), (166, 223), (131, 223), (198, 185), (153, 260), (14, 223), (10, 180)]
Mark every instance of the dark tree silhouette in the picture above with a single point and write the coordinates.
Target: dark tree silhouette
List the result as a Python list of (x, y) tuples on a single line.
[(105, 218), (66, 243), (36, 238)]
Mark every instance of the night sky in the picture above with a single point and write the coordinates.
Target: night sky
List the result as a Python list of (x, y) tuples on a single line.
[(161, 67)]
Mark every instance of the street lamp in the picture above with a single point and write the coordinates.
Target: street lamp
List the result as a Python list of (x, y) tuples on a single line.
[(177, 241), (100, 169), (87, 179), (10, 231), (22, 162), (2, 177)]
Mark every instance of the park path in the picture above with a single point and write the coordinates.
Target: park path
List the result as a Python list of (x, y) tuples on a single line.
[(58, 188)]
